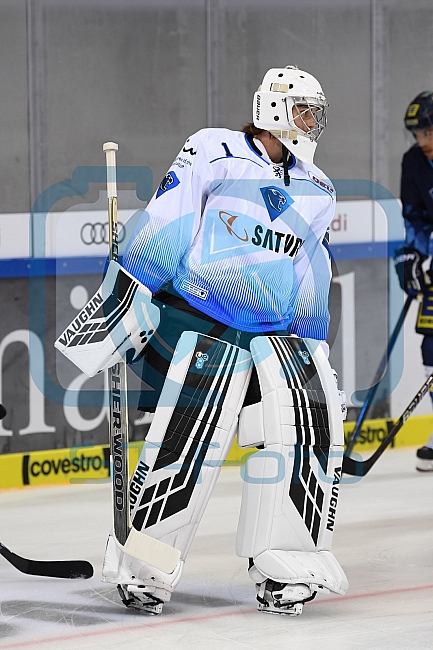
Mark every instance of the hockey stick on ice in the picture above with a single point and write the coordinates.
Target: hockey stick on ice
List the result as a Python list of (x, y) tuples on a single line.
[(117, 386), (362, 467), (71, 569), (379, 374)]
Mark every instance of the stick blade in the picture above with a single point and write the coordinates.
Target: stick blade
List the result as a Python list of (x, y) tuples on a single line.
[(69, 569), (354, 467)]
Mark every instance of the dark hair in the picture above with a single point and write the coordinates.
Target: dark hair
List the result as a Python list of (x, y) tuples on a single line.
[(250, 129)]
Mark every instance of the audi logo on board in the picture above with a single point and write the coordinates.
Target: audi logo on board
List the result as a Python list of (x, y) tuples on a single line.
[(98, 233)]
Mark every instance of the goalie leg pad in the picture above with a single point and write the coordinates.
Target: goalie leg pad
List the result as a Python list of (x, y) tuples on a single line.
[(290, 488), (189, 439), (116, 323)]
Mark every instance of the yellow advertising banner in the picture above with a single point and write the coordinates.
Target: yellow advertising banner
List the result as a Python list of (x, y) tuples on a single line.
[(86, 464), (414, 432), (59, 466)]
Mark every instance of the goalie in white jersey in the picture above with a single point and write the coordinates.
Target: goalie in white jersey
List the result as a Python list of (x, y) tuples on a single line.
[(233, 247)]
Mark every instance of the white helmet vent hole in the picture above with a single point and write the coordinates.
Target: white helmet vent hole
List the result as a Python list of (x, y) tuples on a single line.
[(294, 141), (273, 104), (290, 85), (280, 74), (276, 118)]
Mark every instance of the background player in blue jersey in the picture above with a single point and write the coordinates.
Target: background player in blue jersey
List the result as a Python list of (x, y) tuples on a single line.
[(417, 200), (233, 247)]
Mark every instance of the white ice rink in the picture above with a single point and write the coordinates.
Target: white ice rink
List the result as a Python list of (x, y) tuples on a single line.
[(384, 541)]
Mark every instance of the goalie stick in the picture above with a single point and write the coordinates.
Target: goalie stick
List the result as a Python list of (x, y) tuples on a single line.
[(117, 385), (72, 569), (362, 467)]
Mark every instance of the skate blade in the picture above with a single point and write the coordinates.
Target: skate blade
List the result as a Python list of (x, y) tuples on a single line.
[(132, 601), (424, 465), (148, 609), (293, 610)]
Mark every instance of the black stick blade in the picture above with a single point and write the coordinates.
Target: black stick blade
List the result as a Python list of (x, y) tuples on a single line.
[(354, 467), (70, 569)]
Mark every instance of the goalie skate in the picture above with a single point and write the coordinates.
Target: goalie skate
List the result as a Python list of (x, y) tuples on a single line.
[(139, 597), (278, 598)]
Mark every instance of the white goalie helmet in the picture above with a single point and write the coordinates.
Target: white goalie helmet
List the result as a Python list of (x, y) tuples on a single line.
[(291, 105)]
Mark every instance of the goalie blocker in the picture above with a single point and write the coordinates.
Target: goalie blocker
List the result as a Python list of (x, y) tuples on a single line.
[(291, 486), (116, 323)]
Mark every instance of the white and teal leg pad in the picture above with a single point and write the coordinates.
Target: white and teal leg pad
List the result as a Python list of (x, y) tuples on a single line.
[(190, 436), (291, 487)]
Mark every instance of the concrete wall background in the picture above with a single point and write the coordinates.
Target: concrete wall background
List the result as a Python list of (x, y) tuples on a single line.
[(147, 74)]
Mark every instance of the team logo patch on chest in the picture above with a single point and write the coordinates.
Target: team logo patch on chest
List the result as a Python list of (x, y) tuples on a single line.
[(169, 182), (276, 201)]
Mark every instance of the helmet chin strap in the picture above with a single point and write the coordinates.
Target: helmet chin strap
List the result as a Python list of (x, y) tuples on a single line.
[(286, 154)]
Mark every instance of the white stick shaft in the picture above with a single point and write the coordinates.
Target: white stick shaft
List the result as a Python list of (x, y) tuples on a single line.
[(110, 149), (118, 391)]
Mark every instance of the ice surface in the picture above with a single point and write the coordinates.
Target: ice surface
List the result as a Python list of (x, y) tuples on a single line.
[(384, 541)]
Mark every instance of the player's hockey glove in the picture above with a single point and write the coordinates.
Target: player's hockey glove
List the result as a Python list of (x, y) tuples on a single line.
[(408, 264)]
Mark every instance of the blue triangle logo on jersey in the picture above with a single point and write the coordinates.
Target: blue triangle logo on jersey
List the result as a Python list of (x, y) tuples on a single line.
[(276, 201), (169, 181)]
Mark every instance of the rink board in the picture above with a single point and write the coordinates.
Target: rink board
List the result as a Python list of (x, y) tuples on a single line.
[(91, 464)]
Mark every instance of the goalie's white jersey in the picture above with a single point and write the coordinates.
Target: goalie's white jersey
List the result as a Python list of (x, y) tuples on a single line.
[(237, 243)]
